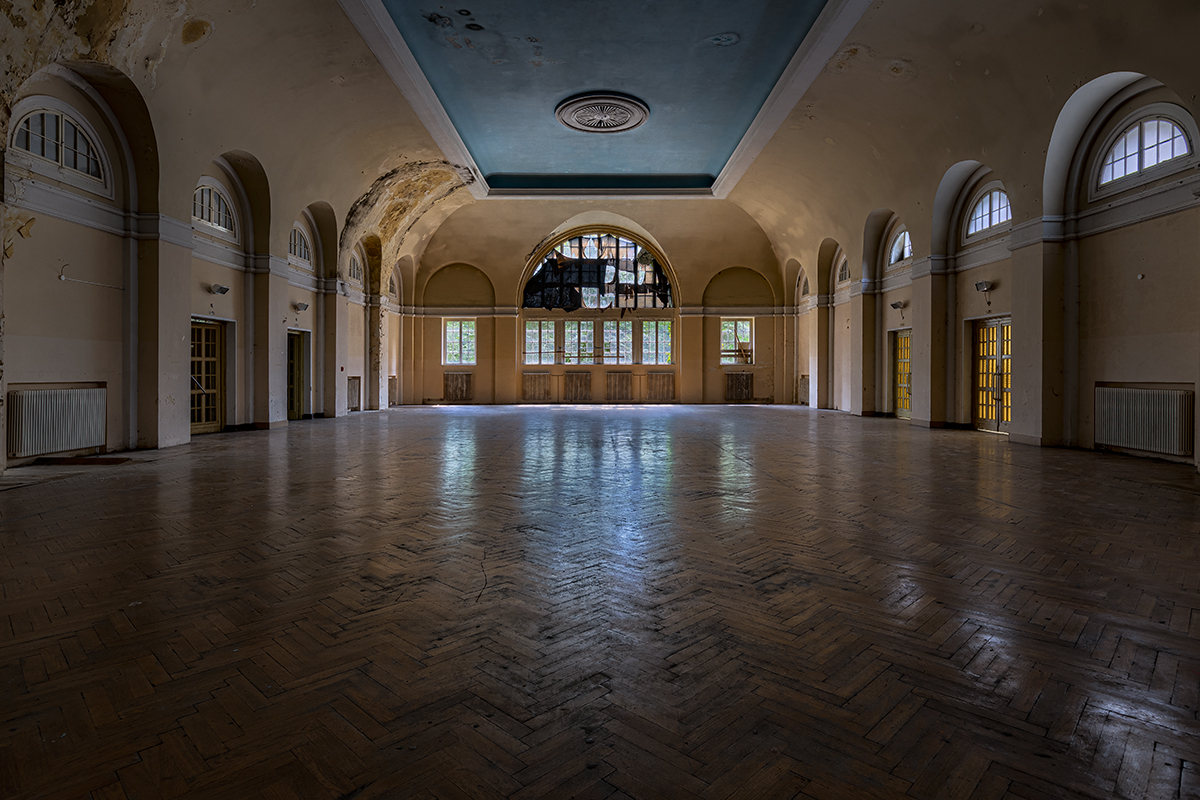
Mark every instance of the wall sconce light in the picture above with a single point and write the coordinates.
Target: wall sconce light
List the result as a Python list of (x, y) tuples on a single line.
[(217, 288), (985, 287), (301, 306), (899, 304)]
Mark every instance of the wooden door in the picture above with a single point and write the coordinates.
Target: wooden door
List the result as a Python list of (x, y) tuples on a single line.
[(993, 374), (902, 372), (295, 375), (208, 377)]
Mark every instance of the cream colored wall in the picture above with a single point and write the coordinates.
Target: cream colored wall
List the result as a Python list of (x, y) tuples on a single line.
[(356, 361), (394, 360), (65, 332), (224, 308), (699, 238), (461, 291), (1135, 330), (842, 390), (891, 320), (973, 305), (803, 353), (306, 322)]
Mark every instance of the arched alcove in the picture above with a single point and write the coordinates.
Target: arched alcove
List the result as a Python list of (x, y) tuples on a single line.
[(459, 286), (738, 287)]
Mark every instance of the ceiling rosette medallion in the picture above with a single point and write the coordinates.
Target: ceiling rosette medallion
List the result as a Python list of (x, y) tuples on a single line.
[(602, 112)]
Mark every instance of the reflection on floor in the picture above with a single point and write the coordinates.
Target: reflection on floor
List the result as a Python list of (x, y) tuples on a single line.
[(603, 602)]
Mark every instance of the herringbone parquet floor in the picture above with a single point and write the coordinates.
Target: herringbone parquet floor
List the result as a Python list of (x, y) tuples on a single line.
[(687, 602)]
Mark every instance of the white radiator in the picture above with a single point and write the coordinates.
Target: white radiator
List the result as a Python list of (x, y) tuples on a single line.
[(45, 421), (1153, 420)]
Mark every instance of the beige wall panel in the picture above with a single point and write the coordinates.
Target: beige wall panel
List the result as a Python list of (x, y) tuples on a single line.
[(483, 370), (843, 390), (459, 286), (63, 331), (356, 350), (763, 366), (698, 237), (973, 305), (1138, 331), (228, 306)]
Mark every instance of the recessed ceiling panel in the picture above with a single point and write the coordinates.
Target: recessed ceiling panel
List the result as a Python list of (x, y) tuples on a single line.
[(703, 68)]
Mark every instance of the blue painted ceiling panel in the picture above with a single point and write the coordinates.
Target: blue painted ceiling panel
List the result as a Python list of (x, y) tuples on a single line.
[(501, 67)]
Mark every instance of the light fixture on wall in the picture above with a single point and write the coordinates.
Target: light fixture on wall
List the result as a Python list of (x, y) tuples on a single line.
[(217, 288), (899, 306), (301, 306), (986, 288)]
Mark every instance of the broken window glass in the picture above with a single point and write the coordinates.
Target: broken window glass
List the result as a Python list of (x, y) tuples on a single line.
[(598, 270)]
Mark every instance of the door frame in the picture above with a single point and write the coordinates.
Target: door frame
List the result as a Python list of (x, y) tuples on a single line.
[(894, 337), (222, 387), (303, 409), (999, 425)]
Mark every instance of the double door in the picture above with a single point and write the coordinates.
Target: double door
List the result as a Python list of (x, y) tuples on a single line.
[(993, 374), (208, 377), (902, 374)]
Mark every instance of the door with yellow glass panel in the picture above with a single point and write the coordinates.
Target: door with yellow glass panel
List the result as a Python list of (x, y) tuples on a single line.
[(993, 374), (902, 374), (208, 377)]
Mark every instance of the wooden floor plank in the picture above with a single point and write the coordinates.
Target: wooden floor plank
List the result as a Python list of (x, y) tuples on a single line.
[(624, 604)]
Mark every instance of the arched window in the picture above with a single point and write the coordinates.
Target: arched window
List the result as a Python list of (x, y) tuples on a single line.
[(804, 287), (1143, 145), (59, 139), (901, 248), (598, 270), (618, 294), (990, 210), (298, 245), (844, 271), (392, 285), (210, 206), (356, 272)]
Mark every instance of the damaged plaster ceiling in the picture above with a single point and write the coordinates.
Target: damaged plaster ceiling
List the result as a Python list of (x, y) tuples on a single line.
[(717, 79)]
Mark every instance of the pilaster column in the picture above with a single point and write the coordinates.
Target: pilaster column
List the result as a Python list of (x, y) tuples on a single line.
[(862, 348), (930, 307), (164, 271), (336, 307), (270, 341), (820, 360), (1039, 368)]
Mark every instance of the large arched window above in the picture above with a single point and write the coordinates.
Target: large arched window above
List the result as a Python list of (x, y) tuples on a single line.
[(57, 138), (991, 210), (1142, 146), (843, 275), (598, 271), (901, 249), (211, 206)]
